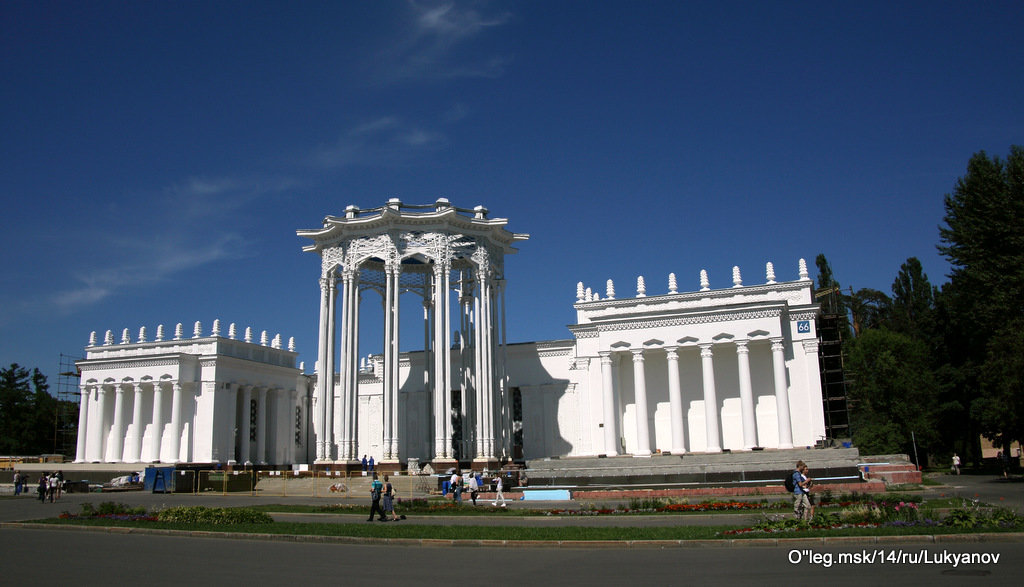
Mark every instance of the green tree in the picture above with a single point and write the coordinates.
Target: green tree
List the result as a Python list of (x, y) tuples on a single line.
[(892, 395), (913, 301), (869, 308), (15, 408), (28, 413), (983, 238)]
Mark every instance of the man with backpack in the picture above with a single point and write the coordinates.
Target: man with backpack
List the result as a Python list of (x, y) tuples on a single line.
[(376, 487), (799, 485)]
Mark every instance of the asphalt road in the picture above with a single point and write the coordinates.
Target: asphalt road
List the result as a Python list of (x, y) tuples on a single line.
[(93, 557)]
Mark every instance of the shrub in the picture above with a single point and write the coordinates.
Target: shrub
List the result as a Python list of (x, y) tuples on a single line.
[(215, 516)]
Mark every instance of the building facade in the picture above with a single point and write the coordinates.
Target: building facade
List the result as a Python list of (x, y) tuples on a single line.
[(698, 371), (202, 399)]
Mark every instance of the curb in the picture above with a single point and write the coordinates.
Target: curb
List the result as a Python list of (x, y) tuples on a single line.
[(984, 537)]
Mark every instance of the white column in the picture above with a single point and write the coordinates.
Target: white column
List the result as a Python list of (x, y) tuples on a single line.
[(746, 396), (261, 425), (643, 433), (232, 423), (133, 446), (675, 401), (350, 399), (322, 430), (611, 436), (294, 426), (442, 401), (156, 443), (487, 366), (175, 442), (781, 394), (83, 425), (115, 448), (97, 426), (710, 399), (391, 361), (245, 430), (330, 446)]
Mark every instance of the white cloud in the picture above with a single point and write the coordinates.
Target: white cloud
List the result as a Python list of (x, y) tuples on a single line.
[(385, 141), (431, 47), (145, 267)]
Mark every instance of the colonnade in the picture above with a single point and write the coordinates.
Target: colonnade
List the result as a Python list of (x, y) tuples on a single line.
[(709, 392), (120, 438), (480, 372)]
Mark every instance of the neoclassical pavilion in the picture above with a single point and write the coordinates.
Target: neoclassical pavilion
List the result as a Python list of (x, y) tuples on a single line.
[(452, 258), (695, 371), (205, 398)]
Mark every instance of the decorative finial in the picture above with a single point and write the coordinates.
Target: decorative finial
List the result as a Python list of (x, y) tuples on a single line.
[(178, 330), (263, 338), (248, 334), (673, 287), (232, 333), (216, 327), (142, 334), (737, 281), (769, 271), (705, 285), (276, 342), (291, 343), (588, 295), (125, 337), (92, 338), (197, 330), (160, 333), (596, 297), (803, 271), (108, 338), (579, 291), (302, 366), (609, 290)]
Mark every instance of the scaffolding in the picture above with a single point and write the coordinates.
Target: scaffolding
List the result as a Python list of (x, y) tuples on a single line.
[(65, 426), (831, 361)]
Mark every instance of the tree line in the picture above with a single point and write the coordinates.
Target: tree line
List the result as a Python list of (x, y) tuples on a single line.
[(28, 413), (944, 366)]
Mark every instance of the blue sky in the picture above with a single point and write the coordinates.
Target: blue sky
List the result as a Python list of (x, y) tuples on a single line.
[(156, 158)]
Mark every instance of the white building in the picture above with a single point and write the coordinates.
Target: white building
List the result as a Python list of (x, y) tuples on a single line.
[(205, 399), (697, 371)]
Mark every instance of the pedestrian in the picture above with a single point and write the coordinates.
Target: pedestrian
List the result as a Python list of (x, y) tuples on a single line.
[(497, 488), (956, 464), (41, 489), (801, 505), (364, 464), (456, 487), (1004, 462), (60, 483), (810, 496), (17, 483), (369, 464), (474, 486), (376, 489), (389, 499), (51, 486)]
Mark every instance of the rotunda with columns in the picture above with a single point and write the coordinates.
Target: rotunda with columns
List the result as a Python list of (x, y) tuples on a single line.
[(452, 260)]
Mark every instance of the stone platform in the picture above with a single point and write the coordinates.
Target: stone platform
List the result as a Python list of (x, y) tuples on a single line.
[(753, 468)]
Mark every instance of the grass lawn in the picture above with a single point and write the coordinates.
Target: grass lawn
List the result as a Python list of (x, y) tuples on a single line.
[(408, 529)]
